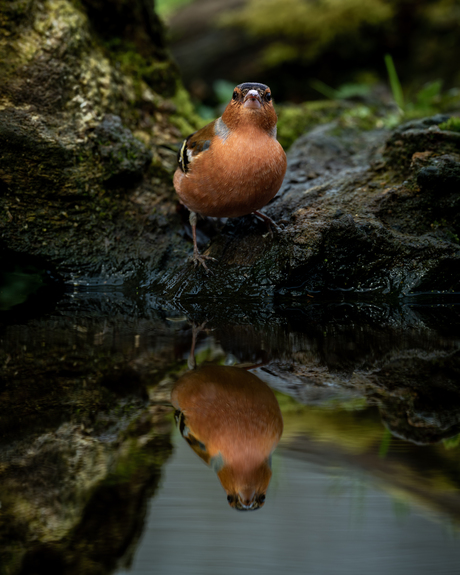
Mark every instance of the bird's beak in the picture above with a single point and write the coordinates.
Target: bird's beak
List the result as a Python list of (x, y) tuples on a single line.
[(252, 100)]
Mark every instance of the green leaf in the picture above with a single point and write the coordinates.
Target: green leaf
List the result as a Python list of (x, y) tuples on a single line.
[(394, 82)]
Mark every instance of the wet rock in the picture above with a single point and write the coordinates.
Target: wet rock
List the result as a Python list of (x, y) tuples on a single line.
[(86, 136), (442, 175), (47, 162), (125, 159), (419, 136)]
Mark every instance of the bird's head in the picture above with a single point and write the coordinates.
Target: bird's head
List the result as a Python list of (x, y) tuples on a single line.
[(251, 103), (246, 489)]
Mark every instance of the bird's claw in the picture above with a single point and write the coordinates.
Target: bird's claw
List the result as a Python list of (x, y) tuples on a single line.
[(270, 224), (200, 259)]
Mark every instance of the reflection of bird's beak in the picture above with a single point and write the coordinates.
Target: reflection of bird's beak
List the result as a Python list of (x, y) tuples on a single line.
[(252, 100), (247, 500), (253, 505)]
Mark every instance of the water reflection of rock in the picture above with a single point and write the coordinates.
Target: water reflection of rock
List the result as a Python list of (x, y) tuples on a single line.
[(232, 420), (74, 493), (417, 392), (411, 372)]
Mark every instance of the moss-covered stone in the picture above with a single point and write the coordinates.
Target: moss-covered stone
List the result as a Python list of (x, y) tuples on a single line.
[(63, 170)]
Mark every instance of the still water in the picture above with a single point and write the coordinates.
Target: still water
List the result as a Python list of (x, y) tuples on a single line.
[(317, 438), (319, 518)]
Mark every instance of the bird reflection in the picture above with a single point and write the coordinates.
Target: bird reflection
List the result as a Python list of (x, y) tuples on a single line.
[(232, 420)]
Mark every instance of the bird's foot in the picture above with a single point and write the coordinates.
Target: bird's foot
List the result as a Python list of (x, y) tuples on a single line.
[(198, 258), (271, 225)]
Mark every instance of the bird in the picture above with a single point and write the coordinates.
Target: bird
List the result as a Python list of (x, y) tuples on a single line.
[(235, 165), (232, 420)]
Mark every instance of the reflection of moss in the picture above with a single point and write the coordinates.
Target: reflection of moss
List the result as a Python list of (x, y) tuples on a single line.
[(85, 495), (452, 442), (334, 422), (17, 286), (133, 459), (348, 427)]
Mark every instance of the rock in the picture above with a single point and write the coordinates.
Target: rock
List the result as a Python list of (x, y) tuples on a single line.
[(442, 175), (87, 136), (125, 159)]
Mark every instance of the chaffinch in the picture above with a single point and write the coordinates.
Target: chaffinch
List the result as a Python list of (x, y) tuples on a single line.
[(234, 165), (232, 420)]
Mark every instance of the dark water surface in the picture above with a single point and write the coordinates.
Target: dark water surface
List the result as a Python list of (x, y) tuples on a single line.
[(95, 476)]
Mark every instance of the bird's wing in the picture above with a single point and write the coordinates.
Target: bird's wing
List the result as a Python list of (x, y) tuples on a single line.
[(196, 144), (198, 446)]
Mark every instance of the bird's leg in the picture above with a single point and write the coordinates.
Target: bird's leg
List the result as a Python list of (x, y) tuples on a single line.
[(197, 257), (271, 225)]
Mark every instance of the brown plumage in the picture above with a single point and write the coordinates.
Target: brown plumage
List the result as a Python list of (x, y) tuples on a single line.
[(234, 165), (232, 420)]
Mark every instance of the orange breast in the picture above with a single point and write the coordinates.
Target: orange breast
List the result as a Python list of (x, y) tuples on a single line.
[(233, 177)]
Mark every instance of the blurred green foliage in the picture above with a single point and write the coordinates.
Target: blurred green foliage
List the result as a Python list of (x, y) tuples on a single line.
[(186, 118), (302, 31), (302, 28), (165, 8), (343, 105), (348, 90)]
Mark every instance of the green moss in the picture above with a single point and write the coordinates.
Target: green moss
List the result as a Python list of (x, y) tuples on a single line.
[(294, 120), (361, 117), (452, 125), (185, 118), (161, 76)]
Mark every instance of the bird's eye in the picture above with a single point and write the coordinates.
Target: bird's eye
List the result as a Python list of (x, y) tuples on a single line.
[(235, 95), (230, 498), (261, 498), (268, 96)]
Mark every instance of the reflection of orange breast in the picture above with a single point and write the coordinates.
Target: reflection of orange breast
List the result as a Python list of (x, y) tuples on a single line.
[(232, 420), (235, 177), (230, 411)]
